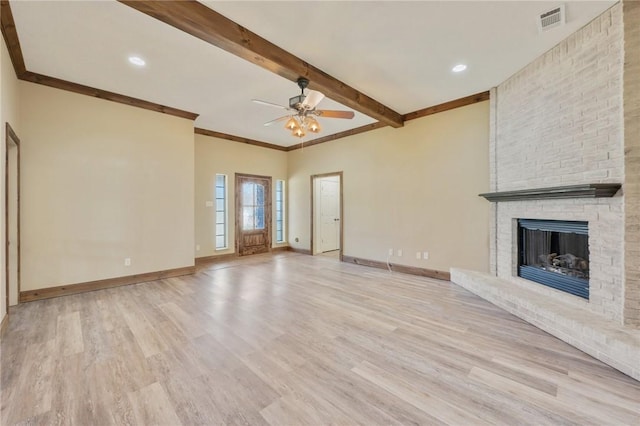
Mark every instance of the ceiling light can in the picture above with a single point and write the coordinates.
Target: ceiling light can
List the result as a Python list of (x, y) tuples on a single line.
[(459, 68), (137, 61)]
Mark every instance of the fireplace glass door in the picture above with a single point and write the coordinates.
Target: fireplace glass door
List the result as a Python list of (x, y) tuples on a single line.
[(555, 253)]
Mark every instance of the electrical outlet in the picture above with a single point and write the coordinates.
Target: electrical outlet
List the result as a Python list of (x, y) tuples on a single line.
[(197, 247), (127, 261), (425, 255), (390, 252), (399, 252), (418, 255), (208, 203)]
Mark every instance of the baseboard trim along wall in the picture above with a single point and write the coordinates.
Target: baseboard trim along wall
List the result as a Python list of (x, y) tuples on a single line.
[(298, 250), (413, 270), (227, 256), (64, 290), (215, 258)]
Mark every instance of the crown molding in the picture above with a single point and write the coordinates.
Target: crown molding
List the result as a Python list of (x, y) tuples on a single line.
[(239, 139), (12, 41)]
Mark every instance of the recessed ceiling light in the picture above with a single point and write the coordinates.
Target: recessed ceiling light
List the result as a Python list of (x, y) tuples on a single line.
[(459, 68), (137, 61)]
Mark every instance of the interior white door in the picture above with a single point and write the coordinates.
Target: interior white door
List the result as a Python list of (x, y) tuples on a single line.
[(329, 214)]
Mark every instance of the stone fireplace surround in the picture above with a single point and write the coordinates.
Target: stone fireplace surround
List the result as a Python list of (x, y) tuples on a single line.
[(567, 119), (593, 326)]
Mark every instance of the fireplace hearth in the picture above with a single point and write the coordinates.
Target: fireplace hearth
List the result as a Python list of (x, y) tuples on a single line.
[(555, 253)]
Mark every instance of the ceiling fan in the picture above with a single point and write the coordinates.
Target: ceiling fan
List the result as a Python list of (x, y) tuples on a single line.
[(303, 109)]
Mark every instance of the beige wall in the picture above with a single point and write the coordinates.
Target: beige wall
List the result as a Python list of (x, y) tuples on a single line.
[(219, 156), (8, 113), (101, 182), (104, 181), (414, 188)]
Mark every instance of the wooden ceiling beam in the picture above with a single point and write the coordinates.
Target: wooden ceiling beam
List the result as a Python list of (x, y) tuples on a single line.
[(206, 24), (10, 35)]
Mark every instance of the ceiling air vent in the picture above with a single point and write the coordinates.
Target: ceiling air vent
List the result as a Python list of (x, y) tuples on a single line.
[(551, 19)]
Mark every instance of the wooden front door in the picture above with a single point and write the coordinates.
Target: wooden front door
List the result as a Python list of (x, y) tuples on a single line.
[(253, 214)]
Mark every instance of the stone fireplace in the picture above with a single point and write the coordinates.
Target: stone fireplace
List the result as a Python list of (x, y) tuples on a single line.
[(560, 151)]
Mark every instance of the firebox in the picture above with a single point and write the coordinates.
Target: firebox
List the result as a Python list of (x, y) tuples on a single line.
[(555, 253)]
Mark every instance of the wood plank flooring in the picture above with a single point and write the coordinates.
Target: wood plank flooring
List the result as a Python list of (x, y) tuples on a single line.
[(290, 339)]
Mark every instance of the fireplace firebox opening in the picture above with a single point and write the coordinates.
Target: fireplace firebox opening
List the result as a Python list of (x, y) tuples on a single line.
[(555, 253)]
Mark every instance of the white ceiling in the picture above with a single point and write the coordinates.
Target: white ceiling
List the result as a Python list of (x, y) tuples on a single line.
[(399, 53)]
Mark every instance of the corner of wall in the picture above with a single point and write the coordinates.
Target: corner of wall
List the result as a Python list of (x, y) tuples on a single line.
[(493, 178), (631, 184), (9, 112)]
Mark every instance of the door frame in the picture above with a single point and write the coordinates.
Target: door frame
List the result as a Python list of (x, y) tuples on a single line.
[(11, 138), (313, 212), (267, 210)]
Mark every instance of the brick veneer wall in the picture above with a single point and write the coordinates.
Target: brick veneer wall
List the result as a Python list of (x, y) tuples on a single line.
[(559, 121), (631, 11)]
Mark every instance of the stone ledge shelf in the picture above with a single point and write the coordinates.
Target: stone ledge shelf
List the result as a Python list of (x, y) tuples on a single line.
[(589, 190), (611, 343)]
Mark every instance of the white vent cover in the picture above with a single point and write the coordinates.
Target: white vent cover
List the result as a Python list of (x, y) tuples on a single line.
[(551, 19)]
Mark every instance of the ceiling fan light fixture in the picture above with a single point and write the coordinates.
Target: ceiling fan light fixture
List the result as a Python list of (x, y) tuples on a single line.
[(292, 124), (299, 120), (313, 125)]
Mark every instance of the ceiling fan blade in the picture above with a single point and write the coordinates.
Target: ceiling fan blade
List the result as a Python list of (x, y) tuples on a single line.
[(331, 113), (270, 104), (313, 99), (269, 123)]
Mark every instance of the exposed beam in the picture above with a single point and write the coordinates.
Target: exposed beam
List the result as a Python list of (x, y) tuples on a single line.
[(10, 35), (457, 103), (206, 24), (240, 139)]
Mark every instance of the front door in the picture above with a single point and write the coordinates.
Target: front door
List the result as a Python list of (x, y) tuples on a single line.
[(253, 214)]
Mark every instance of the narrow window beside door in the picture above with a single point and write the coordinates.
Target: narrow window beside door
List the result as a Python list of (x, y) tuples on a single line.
[(280, 236), (221, 212)]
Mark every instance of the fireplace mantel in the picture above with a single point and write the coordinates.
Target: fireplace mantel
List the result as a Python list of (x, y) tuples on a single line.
[(589, 190)]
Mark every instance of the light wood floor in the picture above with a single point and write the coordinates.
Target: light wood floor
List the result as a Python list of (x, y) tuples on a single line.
[(291, 339)]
